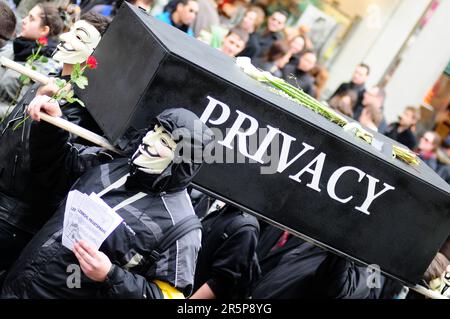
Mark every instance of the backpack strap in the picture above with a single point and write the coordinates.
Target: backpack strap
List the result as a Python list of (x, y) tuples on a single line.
[(180, 229), (239, 221), (121, 181)]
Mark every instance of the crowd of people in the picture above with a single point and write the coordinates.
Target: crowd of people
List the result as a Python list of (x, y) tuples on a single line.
[(159, 251)]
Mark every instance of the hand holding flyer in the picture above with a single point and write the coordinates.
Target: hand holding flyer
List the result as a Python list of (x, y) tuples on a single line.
[(88, 218)]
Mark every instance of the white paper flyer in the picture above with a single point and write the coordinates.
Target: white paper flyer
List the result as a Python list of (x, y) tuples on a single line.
[(88, 218)]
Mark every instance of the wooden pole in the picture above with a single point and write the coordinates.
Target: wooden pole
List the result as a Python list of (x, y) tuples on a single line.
[(35, 76), (59, 122), (428, 292), (79, 131)]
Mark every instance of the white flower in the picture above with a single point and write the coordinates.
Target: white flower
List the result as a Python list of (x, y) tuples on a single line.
[(352, 127), (245, 63), (268, 76)]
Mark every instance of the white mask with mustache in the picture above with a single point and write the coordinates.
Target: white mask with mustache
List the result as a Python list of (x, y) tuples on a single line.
[(156, 152), (77, 44)]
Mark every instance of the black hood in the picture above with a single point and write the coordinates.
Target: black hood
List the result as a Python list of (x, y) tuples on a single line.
[(191, 136), (23, 48)]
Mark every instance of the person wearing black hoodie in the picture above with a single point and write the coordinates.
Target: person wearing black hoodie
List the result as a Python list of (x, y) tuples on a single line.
[(147, 189), (25, 204)]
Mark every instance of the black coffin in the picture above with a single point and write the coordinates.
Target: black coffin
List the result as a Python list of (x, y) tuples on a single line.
[(146, 66)]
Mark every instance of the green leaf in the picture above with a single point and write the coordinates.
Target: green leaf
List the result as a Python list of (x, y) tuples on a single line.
[(79, 102), (76, 72), (69, 95), (60, 83), (43, 59), (33, 68), (81, 82), (62, 94), (24, 79), (76, 67)]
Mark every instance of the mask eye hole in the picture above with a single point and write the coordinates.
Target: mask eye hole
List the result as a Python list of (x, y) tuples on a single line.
[(82, 35), (164, 142)]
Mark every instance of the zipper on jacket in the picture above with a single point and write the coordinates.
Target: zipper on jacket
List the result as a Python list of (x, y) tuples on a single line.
[(16, 158), (10, 122), (15, 118)]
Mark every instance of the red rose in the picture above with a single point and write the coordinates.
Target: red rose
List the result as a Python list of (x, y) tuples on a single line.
[(43, 41), (92, 62)]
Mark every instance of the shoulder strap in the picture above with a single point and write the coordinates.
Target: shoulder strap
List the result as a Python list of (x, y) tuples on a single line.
[(239, 221), (180, 229), (121, 181)]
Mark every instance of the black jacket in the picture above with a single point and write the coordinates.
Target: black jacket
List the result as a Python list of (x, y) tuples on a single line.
[(300, 270), (406, 137), (41, 271), (228, 246), (24, 203), (350, 86), (359, 90), (23, 48), (259, 44), (310, 272)]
